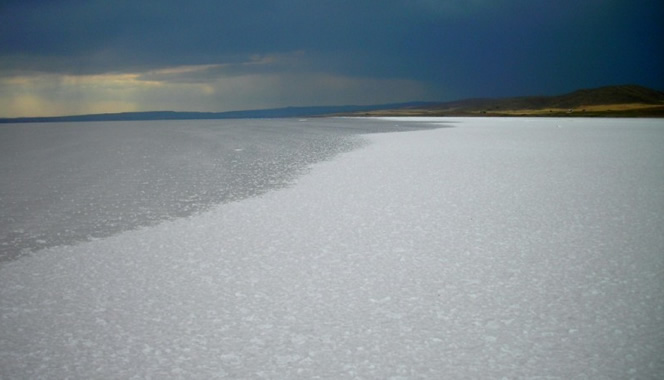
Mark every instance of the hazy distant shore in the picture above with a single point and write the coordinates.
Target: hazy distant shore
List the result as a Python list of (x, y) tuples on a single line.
[(611, 101)]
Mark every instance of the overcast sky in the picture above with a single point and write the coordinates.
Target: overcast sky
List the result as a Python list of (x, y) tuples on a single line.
[(89, 56)]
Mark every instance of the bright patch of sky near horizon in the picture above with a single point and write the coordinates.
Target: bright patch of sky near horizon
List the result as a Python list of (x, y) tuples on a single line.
[(72, 57)]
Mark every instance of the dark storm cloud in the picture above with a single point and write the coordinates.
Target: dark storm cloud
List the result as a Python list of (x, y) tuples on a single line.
[(163, 33), (457, 48)]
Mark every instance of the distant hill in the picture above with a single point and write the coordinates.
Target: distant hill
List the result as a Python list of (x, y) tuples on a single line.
[(625, 100), (247, 114), (620, 101)]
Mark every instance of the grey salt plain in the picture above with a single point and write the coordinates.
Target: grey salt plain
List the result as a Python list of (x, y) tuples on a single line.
[(67, 182), (500, 248)]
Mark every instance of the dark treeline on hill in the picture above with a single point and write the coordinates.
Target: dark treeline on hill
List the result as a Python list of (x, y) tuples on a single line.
[(628, 94), (623, 101)]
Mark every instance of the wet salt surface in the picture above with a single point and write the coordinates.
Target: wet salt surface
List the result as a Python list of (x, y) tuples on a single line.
[(69, 182), (517, 248)]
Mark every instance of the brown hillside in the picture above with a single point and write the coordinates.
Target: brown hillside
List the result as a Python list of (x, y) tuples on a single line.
[(626, 94), (624, 100)]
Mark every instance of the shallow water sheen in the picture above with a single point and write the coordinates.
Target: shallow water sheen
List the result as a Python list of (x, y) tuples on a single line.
[(69, 182)]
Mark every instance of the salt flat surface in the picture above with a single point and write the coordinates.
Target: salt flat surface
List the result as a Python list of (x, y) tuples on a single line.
[(515, 248), (64, 183)]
